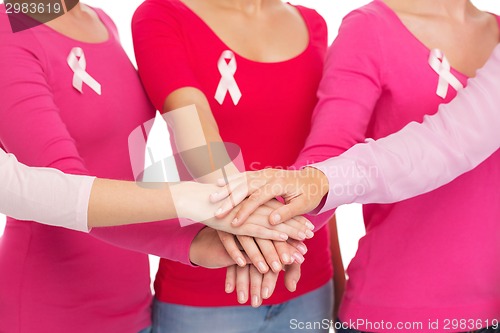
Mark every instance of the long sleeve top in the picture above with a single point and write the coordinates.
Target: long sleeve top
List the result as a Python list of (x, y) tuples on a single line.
[(422, 156), (55, 279), (431, 257), (45, 195)]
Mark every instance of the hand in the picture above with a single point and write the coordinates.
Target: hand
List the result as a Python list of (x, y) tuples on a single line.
[(258, 226), (302, 191), (192, 201), (263, 252), (207, 251), (261, 285)]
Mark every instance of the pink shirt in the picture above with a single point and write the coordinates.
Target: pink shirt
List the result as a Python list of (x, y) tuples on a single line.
[(175, 48), (46, 195), (422, 156), (55, 279), (432, 257)]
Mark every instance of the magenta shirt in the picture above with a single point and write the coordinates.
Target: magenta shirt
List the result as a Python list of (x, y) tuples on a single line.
[(422, 156), (59, 280), (433, 257)]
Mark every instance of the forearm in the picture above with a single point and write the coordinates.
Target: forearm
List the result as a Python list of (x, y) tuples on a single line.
[(422, 157), (119, 202), (165, 239), (196, 136), (77, 202)]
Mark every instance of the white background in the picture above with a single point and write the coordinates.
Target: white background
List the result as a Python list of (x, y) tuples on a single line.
[(349, 218)]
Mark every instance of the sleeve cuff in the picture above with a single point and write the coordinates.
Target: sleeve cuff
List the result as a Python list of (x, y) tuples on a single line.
[(346, 182)]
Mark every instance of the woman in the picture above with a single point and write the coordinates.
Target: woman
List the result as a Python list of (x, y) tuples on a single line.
[(70, 99), (402, 70), (447, 263), (247, 65)]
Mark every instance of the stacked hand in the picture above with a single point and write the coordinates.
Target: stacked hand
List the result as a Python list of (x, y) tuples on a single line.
[(302, 191), (259, 249)]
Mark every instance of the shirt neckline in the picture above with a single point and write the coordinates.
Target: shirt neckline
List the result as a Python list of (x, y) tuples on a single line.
[(299, 55), (99, 15), (407, 31)]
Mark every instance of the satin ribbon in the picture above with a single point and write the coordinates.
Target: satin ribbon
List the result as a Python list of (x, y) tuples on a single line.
[(78, 64), (440, 64), (227, 82)]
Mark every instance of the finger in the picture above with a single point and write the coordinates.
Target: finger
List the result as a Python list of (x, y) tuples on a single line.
[(242, 282), (300, 246), (301, 219), (269, 284), (296, 222), (258, 198), (292, 276), (255, 286), (297, 206), (230, 279), (230, 196), (288, 253), (221, 194), (257, 225), (232, 248), (253, 252), (296, 229), (270, 254), (258, 231)]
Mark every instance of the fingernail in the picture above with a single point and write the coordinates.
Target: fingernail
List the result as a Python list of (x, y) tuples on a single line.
[(240, 262), (309, 234), (294, 285), (310, 225), (265, 293), (235, 221), (302, 248), (255, 301), (241, 297), (276, 217), (228, 288), (286, 258), (284, 236), (276, 266), (262, 267), (301, 235), (300, 259), (218, 212)]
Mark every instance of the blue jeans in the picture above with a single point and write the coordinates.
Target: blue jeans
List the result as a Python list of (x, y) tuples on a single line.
[(147, 330), (314, 306), (341, 329)]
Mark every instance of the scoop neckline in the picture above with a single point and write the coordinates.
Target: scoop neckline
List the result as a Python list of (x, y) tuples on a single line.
[(299, 55), (99, 16), (407, 31)]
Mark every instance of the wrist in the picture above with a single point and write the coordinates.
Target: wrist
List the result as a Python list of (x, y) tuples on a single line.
[(318, 179), (196, 248), (181, 199)]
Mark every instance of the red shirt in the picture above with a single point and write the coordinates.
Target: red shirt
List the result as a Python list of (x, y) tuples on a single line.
[(175, 49)]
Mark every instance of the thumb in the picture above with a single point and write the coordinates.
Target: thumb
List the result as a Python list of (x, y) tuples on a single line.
[(296, 207)]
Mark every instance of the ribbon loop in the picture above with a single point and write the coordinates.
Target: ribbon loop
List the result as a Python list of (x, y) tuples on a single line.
[(78, 64), (227, 68), (440, 64)]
